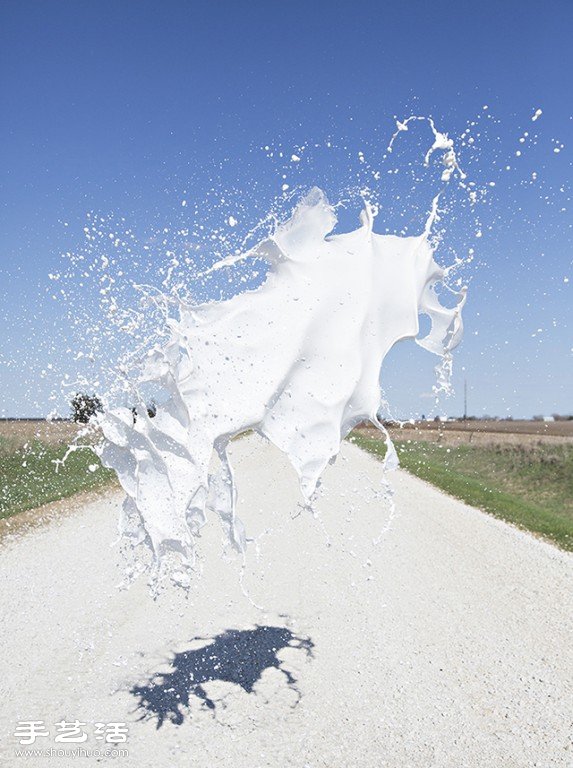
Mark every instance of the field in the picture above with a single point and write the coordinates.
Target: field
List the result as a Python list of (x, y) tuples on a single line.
[(29, 476), (16, 433), (520, 471), (485, 432), (524, 477)]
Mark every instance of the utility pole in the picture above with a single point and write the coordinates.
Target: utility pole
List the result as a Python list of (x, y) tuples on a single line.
[(465, 399)]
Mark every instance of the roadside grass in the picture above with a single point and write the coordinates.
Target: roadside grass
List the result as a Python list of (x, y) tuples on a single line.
[(528, 485), (28, 476)]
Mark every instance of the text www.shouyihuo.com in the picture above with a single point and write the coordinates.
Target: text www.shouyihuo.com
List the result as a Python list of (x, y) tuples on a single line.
[(76, 752)]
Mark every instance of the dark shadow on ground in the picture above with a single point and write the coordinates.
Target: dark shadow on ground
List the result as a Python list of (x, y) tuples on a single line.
[(235, 656)]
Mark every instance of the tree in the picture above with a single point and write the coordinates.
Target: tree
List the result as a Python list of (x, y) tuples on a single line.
[(151, 411), (85, 406)]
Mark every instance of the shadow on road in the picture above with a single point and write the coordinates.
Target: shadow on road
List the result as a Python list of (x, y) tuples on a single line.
[(234, 656)]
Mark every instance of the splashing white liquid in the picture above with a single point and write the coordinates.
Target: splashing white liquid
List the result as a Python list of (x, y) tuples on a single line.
[(298, 360)]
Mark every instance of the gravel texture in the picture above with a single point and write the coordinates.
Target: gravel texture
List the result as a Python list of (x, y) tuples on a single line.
[(446, 644)]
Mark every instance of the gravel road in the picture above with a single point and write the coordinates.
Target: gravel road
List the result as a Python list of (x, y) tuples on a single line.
[(449, 643)]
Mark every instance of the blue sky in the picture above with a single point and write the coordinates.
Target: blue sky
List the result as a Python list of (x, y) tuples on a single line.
[(124, 109)]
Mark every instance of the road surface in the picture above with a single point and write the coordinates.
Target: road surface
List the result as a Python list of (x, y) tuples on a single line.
[(446, 644)]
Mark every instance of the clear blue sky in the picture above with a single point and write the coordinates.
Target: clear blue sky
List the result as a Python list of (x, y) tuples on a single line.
[(126, 108)]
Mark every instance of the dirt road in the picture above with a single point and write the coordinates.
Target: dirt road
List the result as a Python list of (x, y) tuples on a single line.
[(447, 644)]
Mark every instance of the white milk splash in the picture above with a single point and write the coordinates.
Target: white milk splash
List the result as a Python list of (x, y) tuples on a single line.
[(297, 360)]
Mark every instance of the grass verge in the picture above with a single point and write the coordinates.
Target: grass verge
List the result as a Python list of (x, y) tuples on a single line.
[(28, 476), (530, 485)]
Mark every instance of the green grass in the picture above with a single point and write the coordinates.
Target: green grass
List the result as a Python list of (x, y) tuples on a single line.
[(528, 485), (28, 476)]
